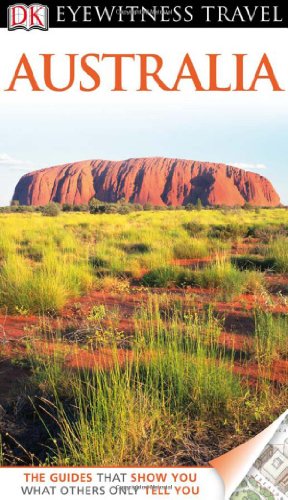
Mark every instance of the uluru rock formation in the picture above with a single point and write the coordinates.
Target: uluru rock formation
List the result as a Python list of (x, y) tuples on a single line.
[(159, 181)]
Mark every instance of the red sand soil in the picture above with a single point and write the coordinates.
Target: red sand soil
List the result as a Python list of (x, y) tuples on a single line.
[(278, 372), (15, 327), (76, 357), (238, 325), (245, 246)]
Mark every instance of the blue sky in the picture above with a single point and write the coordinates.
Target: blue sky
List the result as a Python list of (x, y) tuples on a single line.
[(46, 137)]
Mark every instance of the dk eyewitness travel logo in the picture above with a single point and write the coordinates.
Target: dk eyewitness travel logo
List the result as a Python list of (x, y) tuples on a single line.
[(28, 17)]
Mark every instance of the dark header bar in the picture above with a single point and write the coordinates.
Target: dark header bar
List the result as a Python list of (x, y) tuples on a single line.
[(73, 14)]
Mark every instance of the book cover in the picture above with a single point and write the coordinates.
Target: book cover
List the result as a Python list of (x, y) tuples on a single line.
[(143, 250)]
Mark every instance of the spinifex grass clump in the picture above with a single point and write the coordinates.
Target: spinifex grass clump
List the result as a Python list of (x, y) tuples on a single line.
[(45, 286), (222, 276), (181, 322), (271, 333), (192, 248), (162, 277), (278, 251)]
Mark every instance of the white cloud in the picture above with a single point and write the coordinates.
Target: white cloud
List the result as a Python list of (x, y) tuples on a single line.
[(10, 162), (249, 166)]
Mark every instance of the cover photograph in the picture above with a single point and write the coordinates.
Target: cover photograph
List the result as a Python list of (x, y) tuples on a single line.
[(143, 250)]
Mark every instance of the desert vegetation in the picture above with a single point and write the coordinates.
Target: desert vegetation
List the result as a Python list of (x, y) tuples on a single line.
[(148, 337)]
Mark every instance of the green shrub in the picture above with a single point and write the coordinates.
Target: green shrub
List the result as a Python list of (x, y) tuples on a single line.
[(199, 205), (137, 207), (51, 210), (190, 206), (248, 206), (137, 248), (67, 207), (81, 208), (125, 209), (227, 231), (148, 206), (194, 228)]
